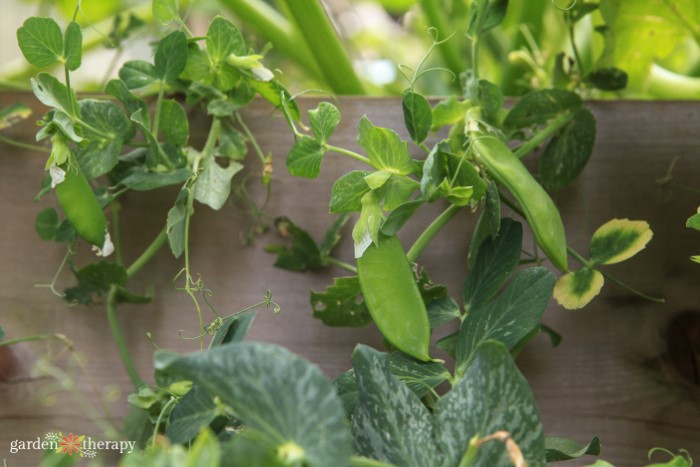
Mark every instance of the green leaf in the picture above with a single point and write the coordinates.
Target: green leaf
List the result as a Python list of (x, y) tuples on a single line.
[(47, 223), (495, 262), (608, 79), (693, 221), (390, 423), (140, 179), (233, 329), (417, 115), (568, 152), (213, 185), (95, 279), (580, 9), (137, 74), (341, 304), (576, 289), (165, 11), (108, 130), (52, 93), (273, 91), (305, 157), (174, 123), (192, 413), (347, 192), (564, 449), (486, 14), (366, 230), (2, 333), (175, 228), (302, 255), (397, 190), (399, 216), (118, 89), (509, 318), (274, 392), (618, 240), (384, 148), (205, 451), (171, 57), (13, 114), (489, 222), (491, 100), (323, 120), (496, 397), (332, 236), (224, 39), (41, 41), (442, 310), (448, 175), (537, 107), (73, 46), (199, 69), (448, 112)]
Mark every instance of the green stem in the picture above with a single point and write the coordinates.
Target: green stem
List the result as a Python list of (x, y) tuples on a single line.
[(212, 138), (665, 84), (341, 264), (251, 138), (119, 338), (347, 152), (432, 230), (322, 39), (574, 48), (37, 337), (19, 144), (116, 211), (449, 50), (148, 254), (632, 289), (160, 419), (159, 105), (553, 127)]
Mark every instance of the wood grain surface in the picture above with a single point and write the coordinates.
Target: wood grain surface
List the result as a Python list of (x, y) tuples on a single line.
[(611, 377)]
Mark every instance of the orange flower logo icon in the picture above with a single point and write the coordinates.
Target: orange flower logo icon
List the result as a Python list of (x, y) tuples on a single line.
[(70, 444)]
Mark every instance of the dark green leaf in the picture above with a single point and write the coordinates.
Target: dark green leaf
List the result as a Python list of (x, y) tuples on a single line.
[(489, 222), (96, 278), (214, 184), (448, 175), (568, 152), (303, 254), (176, 228), (417, 115), (232, 144), (323, 120), (491, 100), (442, 310), (537, 107), (73, 46), (108, 129), (173, 121), (564, 449), (52, 93), (399, 216), (118, 89), (41, 41), (449, 344), (496, 397), (348, 191), (509, 318), (341, 304), (608, 79), (274, 392), (348, 392), (171, 56), (554, 337), (141, 180), (486, 14), (224, 39), (390, 423), (332, 236), (304, 159), (233, 329), (384, 148), (66, 232), (495, 262), (137, 74), (192, 413), (47, 224)]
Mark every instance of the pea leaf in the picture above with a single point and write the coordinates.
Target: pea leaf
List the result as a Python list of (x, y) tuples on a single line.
[(417, 115), (486, 14), (576, 289), (567, 153), (173, 120), (41, 41), (273, 91), (489, 222), (234, 329), (618, 240), (280, 395), (118, 89), (397, 190), (303, 253), (442, 310), (175, 228), (496, 397), (490, 99), (191, 415), (564, 449), (137, 74), (348, 191), (13, 114), (165, 11), (47, 223), (366, 230), (447, 175), (305, 157), (537, 107), (390, 423), (608, 79), (95, 279), (448, 112), (323, 120), (52, 93), (106, 134), (224, 39), (214, 184), (341, 304), (693, 221), (509, 318), (73, 46), (199, 69), (332, 235), (171, 57), (384, 148), (399, 216), (140, 179)]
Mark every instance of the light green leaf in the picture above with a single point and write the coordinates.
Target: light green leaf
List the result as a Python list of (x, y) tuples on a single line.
[(348, 191), (496, 397), (273, 91), (47, 223), (509, 318), (224, 39), (171, 56), (448, 112), (233, 329), (567, 153), (274, 392), (52, 93), (13, 114), (192, 413), (165, 11), (173, 121), (341, 304), (448, 175), (305, 157), (323, 120), (366, 230), (214, 184), (390, 423), (693, 221), (417, 115), (175, 228), (137, 74), (198, 67), (618, 240), (576, 289), (73, 46), (397, 190), (41, 41), (564, 449), (384, 148), (377, 179), (486, 14), (537, 107)]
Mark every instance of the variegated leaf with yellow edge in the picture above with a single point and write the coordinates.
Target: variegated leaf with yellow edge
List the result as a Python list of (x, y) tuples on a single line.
[(618, 240), (575, 289)]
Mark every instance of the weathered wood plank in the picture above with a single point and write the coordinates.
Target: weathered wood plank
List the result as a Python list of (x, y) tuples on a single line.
[(610, 377)]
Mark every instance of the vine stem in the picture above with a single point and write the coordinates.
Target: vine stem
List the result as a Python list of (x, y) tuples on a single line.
[(347, 152), (119, 338), (147, 254), (554, 126), (19, 144), (430, 232), (341, 264), (38, 337)]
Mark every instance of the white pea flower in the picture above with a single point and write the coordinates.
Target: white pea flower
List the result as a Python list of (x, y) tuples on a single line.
[(58, 175), (107, 248)]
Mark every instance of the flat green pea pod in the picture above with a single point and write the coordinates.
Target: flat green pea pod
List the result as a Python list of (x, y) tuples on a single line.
[(540, 211), (393, 298), (81, 207)]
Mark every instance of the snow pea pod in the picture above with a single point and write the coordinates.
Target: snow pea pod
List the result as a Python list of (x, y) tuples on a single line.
[(393, 298), (82, 209), (540, 211)]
